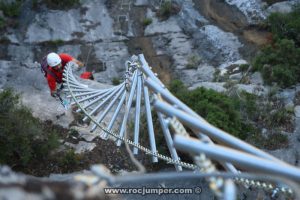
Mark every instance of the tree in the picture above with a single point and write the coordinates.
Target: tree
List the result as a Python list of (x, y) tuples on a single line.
[(22, 137)]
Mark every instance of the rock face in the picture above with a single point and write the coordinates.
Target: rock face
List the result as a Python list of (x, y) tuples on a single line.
[(218, 47), (252, 9), (89, 23), (81, 32), (81, 147), (91, 33), (291, 154), (282, 7), (209, 85), (297, 111), (189, 35)]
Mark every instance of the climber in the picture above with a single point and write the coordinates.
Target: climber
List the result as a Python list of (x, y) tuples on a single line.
[(54, 71)]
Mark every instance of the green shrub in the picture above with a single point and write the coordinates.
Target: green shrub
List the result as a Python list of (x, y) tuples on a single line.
[(266, 113), (286, 25), (280, 116), (115, 81), (238, 114), (2, 23), (276, 140), (270, 2), (22, 137), (70, 158), (193, 62), (35, 3), (57, 42), (147, 21), (248, 105), (8, 100), (61, 4), (165, 9), (217, 108), (279, 63), (217, 75), (244, 67), (272, 142), (11, 9), (177, 88), (42, 146)]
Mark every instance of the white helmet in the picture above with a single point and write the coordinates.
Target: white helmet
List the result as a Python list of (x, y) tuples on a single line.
[(53, 59)]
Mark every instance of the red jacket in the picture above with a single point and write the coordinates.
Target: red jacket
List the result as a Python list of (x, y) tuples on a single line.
[(65, 58), (87, 75)]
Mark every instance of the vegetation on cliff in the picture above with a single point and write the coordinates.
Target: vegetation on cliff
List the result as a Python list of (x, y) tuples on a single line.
[(243, 115), (279, 62)]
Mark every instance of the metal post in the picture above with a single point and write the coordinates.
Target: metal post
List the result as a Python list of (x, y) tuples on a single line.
[(169, 140), (103, 102), (110, 105), (132, 92), (113, 119), (137, 112), (150, 123), (241, 159), (86, 93), (101, 97), (212, 131)]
